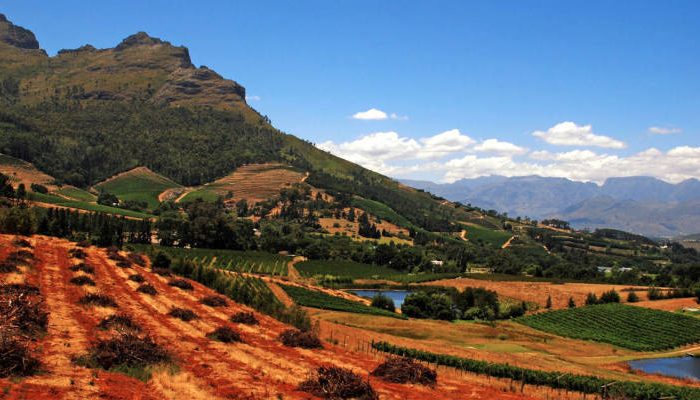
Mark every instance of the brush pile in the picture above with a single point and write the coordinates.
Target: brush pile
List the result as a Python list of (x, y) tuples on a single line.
[(20, 242), (405, 370), (137, 278), (225, 334), (181, 283), (148, 289), (246, 318), (15, 259), (88, 269), (97, 299), (303, 339), (183, 314), (119, 322), (82, 280), (125, 350), (137, 259), (214, 301), (338, 383), (15, 357), (22, 318), (77, 253), (162, 272)]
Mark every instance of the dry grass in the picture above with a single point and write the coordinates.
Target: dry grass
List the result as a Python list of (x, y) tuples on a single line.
[(246, 318), (338, 383), (405, 370), (303, 339)]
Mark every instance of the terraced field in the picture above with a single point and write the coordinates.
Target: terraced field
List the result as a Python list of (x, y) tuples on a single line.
[(138, 184), (254, 183)]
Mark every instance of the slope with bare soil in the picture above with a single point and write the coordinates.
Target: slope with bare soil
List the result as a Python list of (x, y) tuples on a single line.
[(258, 368)]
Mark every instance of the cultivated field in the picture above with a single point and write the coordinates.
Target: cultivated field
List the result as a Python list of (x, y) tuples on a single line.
[(254, 183), (138, 184), (260, 367)]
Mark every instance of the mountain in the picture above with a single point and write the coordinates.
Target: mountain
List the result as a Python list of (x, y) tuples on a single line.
[(638, 204), (87, 114)]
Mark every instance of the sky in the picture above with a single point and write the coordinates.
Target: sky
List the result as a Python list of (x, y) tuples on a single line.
[(440, 90)]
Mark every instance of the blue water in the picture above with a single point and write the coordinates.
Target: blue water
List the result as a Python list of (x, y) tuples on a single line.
[(397, 295), (679, 367)]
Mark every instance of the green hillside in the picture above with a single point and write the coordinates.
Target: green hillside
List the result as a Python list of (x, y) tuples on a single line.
[(139, 184)]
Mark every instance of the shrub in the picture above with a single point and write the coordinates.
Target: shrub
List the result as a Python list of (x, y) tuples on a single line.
[(16, 359), (225, 334), (632, 297), (247, 318), (405, 370), (88, 269), (121, 322), (183, 314), (97, 299), (338, 383), (214, 301), (181, 284), (548, 304), (383, 302), (303, 339), (610, 296), (137, 259), (655, 294), (148, 289), (572, 303), (38, 188), (82, 280), (125, 350), (137, 278), (591, 299), (77, 253)]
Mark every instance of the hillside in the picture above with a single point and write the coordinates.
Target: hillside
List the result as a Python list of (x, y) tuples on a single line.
[(138, 184)]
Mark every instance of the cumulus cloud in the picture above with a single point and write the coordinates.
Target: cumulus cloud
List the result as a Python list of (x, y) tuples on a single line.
[(499, 147), (569, 134), (370, 115), (661, 130)]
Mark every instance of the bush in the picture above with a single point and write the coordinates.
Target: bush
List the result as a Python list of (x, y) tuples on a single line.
[(97, 299), (246, 318), (183, 314), (338, 383), (225, 334), (37, 188), (77, 253), (632, 297), (181, 283), (214, 301), (424, 305), (609, 297), (147, 289), (161, 260), (383, 302), (88, 269), (82, 280), (125, 350), (16, 359), (303, 339), (591, 299), (405, 370), (121, 322), (572, 303), (137, 278)]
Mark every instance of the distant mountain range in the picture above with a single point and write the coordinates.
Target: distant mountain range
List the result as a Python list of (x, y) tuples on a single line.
[(639, 204)]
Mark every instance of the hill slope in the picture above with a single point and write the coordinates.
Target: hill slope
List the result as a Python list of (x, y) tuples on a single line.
[(138, 184)]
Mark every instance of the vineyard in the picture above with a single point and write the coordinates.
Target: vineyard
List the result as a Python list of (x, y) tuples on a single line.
[(311, 298), (635, 328), (355, 270), (256, 262), (553, 379)]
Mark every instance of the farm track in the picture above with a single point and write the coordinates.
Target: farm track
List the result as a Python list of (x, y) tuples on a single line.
[(259, 368)]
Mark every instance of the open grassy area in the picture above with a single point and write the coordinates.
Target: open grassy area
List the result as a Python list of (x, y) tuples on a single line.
[(491, 237), (77, 194), (382, 211), (138, 184), (258, 262), (81, 205), (631, 327), (315, 299)]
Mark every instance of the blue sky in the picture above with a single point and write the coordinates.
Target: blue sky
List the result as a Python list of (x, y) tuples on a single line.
[(490, 70)]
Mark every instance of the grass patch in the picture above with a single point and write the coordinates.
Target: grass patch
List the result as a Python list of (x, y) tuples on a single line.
[(494, 238), (635, 328), (77, 194), (82, 205), (310, 298)]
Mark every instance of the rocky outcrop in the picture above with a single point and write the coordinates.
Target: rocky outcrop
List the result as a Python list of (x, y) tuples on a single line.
[(142, 39), (200, 86), (16, 35)]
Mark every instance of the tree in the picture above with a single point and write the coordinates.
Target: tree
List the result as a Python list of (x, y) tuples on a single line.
[(632, 297), (591, 299), (610, 296), (21, 192), (572, 303), (384, 302), (548, 304), (161, 260)]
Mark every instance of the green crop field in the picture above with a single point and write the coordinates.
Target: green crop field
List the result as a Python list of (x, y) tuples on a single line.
[(77, 194), (342, 268), (311, 298), (494, 238), (382, 211), (81, 205), (203, 193), (139, 185), (258, 262), (631, 327)]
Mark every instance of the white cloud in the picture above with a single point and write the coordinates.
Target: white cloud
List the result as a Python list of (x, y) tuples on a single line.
[(499, 147), (252, 98), (569, 134), (371, 114), (398, 117), (445, 143), (661, 130)]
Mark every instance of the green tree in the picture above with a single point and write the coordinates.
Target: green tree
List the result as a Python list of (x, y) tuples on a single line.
[(548, 304), (572, 303)]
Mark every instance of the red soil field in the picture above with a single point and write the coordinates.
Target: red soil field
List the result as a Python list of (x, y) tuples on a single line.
[(259, 368)]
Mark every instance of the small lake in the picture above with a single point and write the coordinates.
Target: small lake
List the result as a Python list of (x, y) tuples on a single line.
[(397, 295), (679, 367)]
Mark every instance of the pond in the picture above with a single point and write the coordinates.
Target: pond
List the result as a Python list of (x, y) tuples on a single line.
[(679, 367), (397, 295)]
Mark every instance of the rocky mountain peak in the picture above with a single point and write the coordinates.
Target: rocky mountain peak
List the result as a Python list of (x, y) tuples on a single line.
[(139, 39), (16, 35)]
